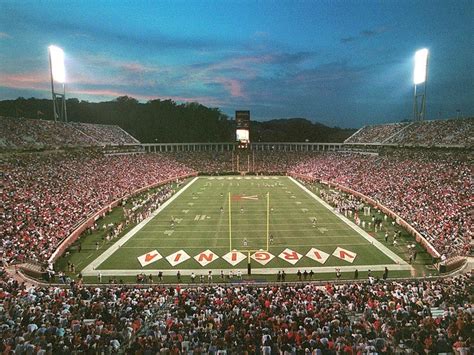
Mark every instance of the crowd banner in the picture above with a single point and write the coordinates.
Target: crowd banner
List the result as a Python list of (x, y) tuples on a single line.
[(90, 220), (399, 220)]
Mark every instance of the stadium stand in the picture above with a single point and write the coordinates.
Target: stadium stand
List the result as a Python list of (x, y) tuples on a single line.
[(432, 192), (205, 162), (375, 317), (22, 133), (457, 132), (268, 162), (376, 133), (453, 132), (105, 134), (28, 134), (46, 195)]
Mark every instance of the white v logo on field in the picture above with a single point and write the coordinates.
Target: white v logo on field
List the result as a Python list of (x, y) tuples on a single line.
[(149, 258), (344, 254), (317, 255), (177, 257)]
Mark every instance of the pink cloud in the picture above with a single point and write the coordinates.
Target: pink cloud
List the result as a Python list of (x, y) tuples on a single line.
[(233, 86), (35, 80)]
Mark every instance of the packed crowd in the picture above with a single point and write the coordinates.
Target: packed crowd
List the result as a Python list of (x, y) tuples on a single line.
[(267, 162), (426, 133), (105, 134), (27, 134), (22, 133), (431, 192), (375, 134), (45, 196), (446, 132), (359, 318), (205, 162)]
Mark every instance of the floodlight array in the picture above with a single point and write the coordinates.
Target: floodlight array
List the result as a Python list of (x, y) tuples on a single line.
[(58, 70), (421, 63)]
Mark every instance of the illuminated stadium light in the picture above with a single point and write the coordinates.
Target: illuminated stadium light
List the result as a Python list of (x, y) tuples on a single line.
[(58, 75), (421, 64), (58, 71), (420, 79)]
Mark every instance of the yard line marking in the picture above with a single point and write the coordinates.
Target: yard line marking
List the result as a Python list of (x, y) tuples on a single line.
[(112, 249), (397, 259)]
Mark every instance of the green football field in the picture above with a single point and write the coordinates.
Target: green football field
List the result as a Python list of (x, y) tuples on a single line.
[(222, 223)]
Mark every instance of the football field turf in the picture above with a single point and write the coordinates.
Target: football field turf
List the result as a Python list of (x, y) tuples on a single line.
[(220, 223)]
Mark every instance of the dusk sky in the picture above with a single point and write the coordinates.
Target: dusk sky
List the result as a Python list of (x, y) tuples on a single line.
[(341, 63)]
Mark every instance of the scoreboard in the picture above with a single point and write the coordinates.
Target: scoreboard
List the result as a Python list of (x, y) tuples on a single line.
[(242, 133)]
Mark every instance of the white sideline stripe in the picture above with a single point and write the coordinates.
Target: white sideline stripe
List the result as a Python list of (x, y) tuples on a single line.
[(355, 227), (255, 270), (106, 254)]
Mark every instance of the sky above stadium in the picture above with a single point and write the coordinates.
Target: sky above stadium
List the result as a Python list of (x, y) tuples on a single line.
[(341, 63)]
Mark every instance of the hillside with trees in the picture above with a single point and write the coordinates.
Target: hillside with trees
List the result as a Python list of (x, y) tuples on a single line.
[(168, 121)]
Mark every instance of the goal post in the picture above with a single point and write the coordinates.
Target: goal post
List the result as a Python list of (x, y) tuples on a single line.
[(230, 223), (268, 220)]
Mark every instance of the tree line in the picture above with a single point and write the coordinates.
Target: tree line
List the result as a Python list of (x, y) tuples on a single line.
[(168, 121)]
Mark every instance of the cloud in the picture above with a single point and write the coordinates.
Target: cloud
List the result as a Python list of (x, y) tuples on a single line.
[(117, 35), (4, 35), (348, 39), (364, 34), (33, 80), (233, 86)]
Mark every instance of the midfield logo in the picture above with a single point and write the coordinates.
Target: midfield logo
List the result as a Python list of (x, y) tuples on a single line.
[(242, 197)]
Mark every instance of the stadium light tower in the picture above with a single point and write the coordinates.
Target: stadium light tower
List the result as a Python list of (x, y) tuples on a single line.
[(58, 75), (419, 80)]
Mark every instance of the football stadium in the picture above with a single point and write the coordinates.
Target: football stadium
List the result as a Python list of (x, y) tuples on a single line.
[(201, 222)]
